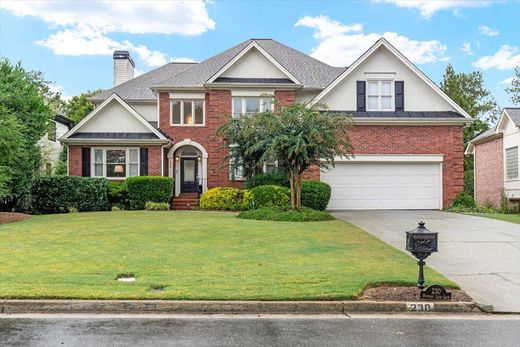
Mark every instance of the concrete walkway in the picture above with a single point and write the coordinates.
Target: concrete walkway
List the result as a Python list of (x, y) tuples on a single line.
[(482, 255)]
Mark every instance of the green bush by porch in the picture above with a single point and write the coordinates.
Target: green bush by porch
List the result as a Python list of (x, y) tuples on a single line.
[(148, 188), (194, 255)]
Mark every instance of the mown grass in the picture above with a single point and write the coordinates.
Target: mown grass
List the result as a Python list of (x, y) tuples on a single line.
[(512, 218), (194, 255)]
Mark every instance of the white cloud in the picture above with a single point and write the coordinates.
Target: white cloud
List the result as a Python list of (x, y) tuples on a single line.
[(326, 27), (507, 81), (427, 8), (485, 30), (84, 26), (466, 48), (135, 17), (342, 49), (56, 88), (504, 59)]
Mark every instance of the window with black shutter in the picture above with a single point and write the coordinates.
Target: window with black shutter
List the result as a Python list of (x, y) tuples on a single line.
[(361, 95), (143, 156), (85, 161), (399, 96)]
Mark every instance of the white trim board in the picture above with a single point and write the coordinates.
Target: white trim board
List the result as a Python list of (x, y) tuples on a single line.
[(392, 158), (383, 42)]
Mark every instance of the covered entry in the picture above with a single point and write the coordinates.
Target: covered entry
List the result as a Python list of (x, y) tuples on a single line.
[(187, 164)]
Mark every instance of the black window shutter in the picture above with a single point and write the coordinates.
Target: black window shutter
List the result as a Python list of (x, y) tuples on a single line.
[(399, 96), (143, 157), (85, 161), (361, 95)]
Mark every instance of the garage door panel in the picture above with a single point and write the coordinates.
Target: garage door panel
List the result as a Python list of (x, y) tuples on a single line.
[(384, 186)]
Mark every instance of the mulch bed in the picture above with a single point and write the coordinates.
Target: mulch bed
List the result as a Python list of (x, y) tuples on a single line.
[(9, 217), (387, 293)]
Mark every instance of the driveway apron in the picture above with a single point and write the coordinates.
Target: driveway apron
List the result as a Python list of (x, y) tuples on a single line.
[(482, 255)]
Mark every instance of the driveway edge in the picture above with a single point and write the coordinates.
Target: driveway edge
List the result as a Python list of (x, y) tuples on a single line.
[(221, 307)]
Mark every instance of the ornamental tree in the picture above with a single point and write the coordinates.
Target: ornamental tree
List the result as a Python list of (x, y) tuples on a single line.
[(297, 136)]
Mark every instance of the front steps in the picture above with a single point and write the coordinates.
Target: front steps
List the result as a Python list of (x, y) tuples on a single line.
[(185, 201)]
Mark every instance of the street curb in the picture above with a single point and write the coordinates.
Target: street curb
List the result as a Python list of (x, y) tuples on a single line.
[(222, 307)]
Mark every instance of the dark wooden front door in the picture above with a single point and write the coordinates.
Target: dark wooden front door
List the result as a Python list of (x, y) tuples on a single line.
[(189, 175)]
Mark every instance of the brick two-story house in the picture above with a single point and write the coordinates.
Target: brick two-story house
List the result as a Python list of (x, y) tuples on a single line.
[(407, 133)]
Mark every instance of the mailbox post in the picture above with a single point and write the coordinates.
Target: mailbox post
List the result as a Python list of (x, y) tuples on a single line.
[(421, 242)]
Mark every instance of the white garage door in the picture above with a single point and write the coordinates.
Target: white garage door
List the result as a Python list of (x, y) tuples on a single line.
[(384, 185)]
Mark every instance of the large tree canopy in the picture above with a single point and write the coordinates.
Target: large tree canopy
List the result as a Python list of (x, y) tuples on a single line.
[(26, 108), (514, 90), (297, 136), (80, 105)]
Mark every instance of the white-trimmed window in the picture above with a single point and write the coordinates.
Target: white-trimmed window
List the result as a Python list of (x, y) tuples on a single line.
[(250, 105), (187, 112), (115, 162), (512, 163), (236, 173), (270, 167), (380, 95)]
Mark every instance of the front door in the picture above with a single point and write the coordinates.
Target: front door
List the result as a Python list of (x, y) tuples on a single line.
[(189, 182)]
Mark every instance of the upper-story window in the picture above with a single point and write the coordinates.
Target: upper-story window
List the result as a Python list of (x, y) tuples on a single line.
[(380, 95), (250, 105), (187, 112), (512, 163)]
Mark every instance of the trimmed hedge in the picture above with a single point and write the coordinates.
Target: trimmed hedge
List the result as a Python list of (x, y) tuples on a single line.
[(118, 194), (148, 188), (271, 196), (286, 215), (315, 194), (62, 194), (225, 198), (276, 178)]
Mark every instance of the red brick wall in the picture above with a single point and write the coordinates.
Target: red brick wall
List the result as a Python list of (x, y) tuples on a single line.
[(286, 97), (154, 160), (446, 140), (489, 172)]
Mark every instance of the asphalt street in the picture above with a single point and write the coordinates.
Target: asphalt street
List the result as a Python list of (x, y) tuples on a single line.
[(177, 330)]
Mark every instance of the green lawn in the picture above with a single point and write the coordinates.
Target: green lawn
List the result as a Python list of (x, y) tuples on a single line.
[(513, 218), (194, 255)]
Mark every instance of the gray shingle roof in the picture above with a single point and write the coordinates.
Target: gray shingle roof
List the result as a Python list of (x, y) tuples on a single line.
[(139, 88), (310, 72), (488, 133), (400, 114), (514, 114)]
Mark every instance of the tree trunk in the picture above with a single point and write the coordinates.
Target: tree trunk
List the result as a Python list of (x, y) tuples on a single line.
[(291, 180), (298, 191)]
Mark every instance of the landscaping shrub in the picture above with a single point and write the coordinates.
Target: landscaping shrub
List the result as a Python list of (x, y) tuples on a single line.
[(276, 178), (315, 194), (118, 194), (156, 206), (464, 200), (271, 196), (286, 215), (148, 188), (62, 194), (225, 198)]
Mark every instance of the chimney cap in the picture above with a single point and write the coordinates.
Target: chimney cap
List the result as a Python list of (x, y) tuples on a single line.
[(123, 54)]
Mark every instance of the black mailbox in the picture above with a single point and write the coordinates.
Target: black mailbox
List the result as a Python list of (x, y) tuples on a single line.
[(421, 242)]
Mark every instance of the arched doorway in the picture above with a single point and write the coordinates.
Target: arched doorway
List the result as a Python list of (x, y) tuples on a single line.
[(188, 165)]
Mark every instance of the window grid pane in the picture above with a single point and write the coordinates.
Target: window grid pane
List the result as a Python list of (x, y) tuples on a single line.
[(386, 102), (98, 156), (372, 103), (187, 112), (512, 163), (132, 156), (386, 88), (252, 105), (133, 170), (98, 170), (199, 112), (176, 112), (373, 88)]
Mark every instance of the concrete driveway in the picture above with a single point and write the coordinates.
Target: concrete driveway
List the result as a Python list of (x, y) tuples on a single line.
[(482, 255)]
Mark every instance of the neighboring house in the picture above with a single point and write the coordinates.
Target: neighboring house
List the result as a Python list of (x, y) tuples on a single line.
[(408, 135), (49, 144), (491, 150)]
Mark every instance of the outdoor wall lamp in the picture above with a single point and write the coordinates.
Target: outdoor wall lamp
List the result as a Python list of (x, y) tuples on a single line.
[(421, 243), (199, 158), (177, 158)]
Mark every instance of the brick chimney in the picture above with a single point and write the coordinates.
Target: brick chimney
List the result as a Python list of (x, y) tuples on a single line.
[(123, 67)]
